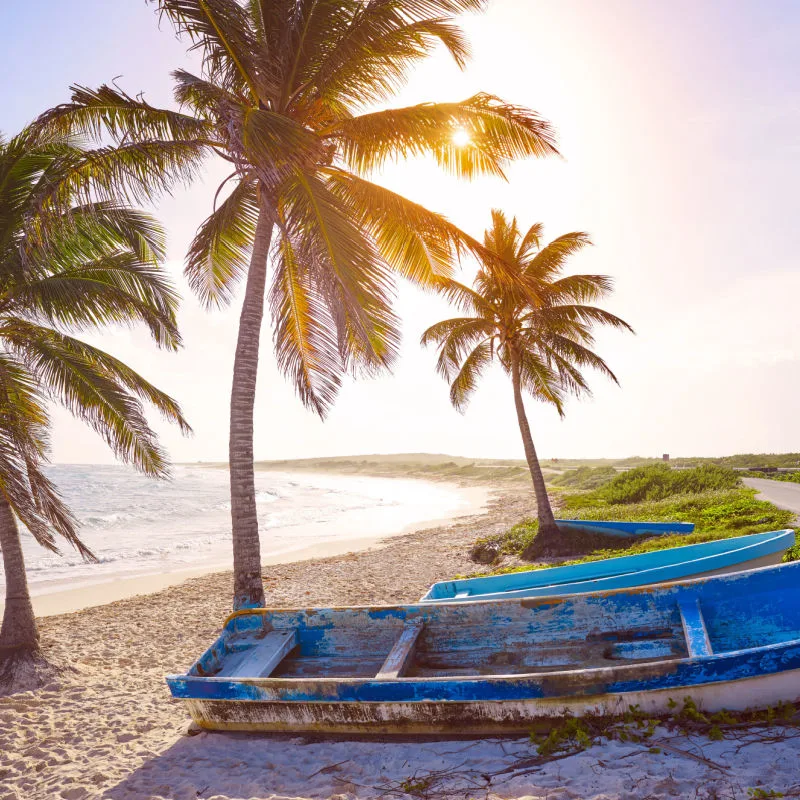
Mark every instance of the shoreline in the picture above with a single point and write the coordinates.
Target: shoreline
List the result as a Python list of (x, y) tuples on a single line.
[(108, 728), (472, 500)]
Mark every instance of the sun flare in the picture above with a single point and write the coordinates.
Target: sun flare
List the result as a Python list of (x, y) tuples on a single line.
[(461, 138)]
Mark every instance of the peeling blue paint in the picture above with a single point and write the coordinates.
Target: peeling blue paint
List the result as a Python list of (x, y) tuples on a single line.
[(732, 627)]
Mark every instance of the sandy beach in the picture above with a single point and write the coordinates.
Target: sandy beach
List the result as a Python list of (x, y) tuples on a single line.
[(109, 728)]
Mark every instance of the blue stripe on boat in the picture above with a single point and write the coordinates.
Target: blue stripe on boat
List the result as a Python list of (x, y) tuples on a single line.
[(674, 636), (670, 564)]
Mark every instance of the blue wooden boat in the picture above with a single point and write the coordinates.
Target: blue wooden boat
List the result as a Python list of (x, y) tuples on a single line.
[(729, 641), (674, 563), (623, 529)]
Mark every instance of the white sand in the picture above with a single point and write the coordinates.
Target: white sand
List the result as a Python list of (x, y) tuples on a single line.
[(111, 730)]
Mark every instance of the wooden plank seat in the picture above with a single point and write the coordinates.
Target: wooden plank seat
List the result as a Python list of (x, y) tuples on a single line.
[(260, 660), (402, 653), (694, 628)]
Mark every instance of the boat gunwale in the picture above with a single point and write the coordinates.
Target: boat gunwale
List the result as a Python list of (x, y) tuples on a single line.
[(512, 594), (549, 599)]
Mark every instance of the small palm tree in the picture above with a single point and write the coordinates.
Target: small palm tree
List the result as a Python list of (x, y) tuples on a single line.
[(67, 262), (281, 98), (535, 322)]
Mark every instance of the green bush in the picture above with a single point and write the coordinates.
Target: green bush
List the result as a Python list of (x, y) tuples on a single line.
[(512, 542), (584, 477), (659, 481), (709, 496)]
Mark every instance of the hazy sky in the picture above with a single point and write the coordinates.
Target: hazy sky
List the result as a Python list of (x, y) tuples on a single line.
[(680, 128)]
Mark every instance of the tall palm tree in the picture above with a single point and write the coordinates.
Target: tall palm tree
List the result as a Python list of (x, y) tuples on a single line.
[(535, 322), (281, 98), (71, 258)]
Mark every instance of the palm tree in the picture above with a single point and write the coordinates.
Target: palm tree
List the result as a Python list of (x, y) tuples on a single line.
[(535, 322), (71, 258), (281, 98)]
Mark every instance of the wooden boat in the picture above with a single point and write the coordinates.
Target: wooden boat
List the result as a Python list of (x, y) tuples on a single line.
[(623, 529), (729, 641), (674, 563)]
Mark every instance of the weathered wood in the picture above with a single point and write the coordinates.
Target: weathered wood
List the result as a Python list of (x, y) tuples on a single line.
[(485, 666), (400, 655), (694, 628), (260, 661)]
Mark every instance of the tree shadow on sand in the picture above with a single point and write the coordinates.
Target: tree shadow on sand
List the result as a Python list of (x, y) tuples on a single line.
[(231, 765)]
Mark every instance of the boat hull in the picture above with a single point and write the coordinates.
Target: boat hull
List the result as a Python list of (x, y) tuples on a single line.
[(623, 572), (481, 718), (625, 529), (729, 642)]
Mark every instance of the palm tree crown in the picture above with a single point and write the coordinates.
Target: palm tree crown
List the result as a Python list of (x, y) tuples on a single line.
[(523, 313), (71, 258), (281, 97)]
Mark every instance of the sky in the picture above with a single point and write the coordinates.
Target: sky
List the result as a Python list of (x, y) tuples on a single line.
[(679, 125)]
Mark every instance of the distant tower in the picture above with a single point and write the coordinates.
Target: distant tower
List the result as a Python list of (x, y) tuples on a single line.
[(665, 457)]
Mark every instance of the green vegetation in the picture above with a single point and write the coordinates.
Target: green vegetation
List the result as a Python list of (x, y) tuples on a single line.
[(583, 478), (575, 734), (659, 482), (738, 461), (709, 496), (787, 477)]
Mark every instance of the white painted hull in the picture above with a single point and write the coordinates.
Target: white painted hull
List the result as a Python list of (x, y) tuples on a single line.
[(483, 717)]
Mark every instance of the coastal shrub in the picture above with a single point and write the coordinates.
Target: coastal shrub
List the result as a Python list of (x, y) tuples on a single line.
[(787, 477), (716, 515), (660, 481), (584, 477), (792, 554), (489, 549)]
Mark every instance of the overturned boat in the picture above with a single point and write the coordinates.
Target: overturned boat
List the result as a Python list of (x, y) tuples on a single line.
[(730, 641), (624, 529), (674, 563)]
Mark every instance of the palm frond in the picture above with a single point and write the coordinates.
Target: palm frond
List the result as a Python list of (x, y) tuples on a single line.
[(419, 244), (466, 381), (460, 340), (108, 111), (86, 382), (539, 379), (550, 260), (220, 251), (117, 289), (306, 346), (580, 288), (221, 30), (355, 282), (23, 445), (371, 56), (497, 132)]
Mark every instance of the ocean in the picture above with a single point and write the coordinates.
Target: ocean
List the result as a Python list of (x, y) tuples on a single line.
[(139, 526)]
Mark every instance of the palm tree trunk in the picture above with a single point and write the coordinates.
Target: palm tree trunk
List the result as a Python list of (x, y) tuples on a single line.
[(248, 588), (19, 631), (547, 524)]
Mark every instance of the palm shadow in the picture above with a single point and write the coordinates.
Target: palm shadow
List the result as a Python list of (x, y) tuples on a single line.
[(227, 765)]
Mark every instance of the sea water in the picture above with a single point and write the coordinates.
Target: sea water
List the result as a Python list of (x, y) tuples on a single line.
[(139, 526)]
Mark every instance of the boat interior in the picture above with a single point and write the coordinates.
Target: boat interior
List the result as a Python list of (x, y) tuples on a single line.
[(507, 637)]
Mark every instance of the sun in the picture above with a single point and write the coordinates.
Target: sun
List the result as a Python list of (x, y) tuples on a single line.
[(461, 138)]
